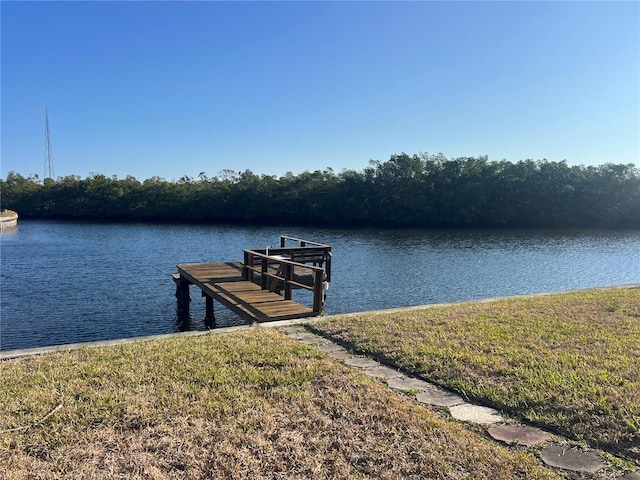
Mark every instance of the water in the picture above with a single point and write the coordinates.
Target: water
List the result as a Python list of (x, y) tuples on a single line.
[(66, 282)]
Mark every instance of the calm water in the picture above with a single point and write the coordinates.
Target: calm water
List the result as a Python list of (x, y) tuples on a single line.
[(64, 282)]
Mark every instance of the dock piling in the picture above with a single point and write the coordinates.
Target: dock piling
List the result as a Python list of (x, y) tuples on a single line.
[(209, 317), (182, 294)]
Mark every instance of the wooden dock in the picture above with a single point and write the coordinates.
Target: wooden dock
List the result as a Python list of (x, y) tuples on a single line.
[(259, 289)]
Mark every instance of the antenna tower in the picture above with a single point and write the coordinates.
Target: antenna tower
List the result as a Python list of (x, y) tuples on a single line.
[(48, 162)]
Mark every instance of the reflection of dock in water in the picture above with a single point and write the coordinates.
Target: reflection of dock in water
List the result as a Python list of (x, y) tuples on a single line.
[(259, 289)]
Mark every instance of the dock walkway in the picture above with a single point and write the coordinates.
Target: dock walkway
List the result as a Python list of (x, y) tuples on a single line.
[(259, 288)]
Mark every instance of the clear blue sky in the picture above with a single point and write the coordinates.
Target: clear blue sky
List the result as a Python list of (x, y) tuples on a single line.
[(177, 88)]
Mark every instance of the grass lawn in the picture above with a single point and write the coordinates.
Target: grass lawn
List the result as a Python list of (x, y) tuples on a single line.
[(570, 362), (252, 404)]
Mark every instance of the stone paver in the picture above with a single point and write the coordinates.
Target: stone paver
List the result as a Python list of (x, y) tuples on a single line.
[(519, 435), (313, 340), (331, 347), (475, 413), (439, 398), (381, 372), (340, 355), (360, 362), (408, 383), (562, 456)]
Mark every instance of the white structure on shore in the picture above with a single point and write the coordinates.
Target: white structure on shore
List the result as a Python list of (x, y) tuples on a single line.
[(8, 219)]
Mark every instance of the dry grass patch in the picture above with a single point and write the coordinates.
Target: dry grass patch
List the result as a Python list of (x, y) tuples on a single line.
[(567, 361), (245, 405)]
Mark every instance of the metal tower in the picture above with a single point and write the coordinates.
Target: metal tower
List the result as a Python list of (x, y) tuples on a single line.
[(48, 161)]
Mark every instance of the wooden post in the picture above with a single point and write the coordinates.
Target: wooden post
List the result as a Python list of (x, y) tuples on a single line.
[(288, 276), (245, 270), (209, 317), (182, 294), (317, 291), (327, 264), (264, 280)]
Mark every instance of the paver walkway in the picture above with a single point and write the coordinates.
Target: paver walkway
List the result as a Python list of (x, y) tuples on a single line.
[(553, 450)]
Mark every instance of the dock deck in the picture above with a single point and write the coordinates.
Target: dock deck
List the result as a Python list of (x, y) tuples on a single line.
[(259, 289), (224, 283)]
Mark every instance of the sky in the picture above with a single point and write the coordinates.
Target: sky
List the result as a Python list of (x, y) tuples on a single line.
[(173, 89)]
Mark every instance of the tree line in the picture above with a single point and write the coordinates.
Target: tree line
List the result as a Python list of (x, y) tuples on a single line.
[(419, 190)]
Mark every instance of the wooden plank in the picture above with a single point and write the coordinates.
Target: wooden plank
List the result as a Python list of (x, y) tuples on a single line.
[(211, 272), (223, 282), (260, 304)]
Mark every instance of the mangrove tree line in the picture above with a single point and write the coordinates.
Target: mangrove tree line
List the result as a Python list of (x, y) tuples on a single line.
[(407, 190)]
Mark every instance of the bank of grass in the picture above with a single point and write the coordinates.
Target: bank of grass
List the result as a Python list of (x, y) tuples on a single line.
[(251, 404), (567, 361)]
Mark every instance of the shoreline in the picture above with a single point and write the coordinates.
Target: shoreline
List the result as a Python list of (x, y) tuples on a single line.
[(27, 352)]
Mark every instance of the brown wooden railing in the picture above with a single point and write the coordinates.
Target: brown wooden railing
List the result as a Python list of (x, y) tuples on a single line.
[(307, 251), (285, 268)]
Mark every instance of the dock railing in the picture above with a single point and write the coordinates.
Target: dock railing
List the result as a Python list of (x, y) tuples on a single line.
[(288, 267), (306, 251)]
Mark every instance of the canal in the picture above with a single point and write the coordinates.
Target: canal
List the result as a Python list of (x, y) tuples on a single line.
[(66, 282)]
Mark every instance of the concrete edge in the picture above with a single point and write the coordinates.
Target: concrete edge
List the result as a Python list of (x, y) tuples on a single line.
[(26, 352), (479, 300), (11, 354)]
